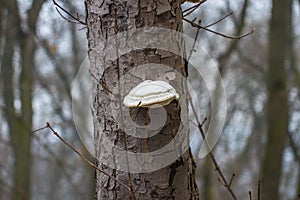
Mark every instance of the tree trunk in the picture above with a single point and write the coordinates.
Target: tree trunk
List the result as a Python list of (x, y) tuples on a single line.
[(115, 77), (19, 122), (277, 108)]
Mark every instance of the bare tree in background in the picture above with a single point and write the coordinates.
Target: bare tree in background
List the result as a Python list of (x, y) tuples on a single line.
[(277, 105), (19, 119)]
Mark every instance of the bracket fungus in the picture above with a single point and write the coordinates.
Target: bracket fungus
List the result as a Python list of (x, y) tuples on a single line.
[(149, 93)]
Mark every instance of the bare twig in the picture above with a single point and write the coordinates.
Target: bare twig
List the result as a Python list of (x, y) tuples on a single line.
[(218, 33), (204, 120), (234, 43), (192, 9), (222, 178), (102, 83), (219, 20), (81, 155), (231, 180), (198, 30), (37, 130), (67, 19), (139, 185), (193, 47), (57, 160), (72, 18)]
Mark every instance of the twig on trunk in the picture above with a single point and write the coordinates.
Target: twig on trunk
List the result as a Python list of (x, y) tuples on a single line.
[(48, 126)]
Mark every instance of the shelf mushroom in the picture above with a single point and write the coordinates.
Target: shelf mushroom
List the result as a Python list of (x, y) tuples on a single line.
[(149, 93)]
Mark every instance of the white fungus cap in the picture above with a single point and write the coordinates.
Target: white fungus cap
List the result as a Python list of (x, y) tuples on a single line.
[(149, 93)]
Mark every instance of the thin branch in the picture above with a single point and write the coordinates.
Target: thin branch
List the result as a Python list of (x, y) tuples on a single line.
[(222, 178), (219, 20), (72, 18), (194, 44), (58, 161), (198, 30), (192, 9), (102, 83), (218, 33), (139, 185), (232, 46), (81, 155), (40, 129), (203, 122), (231, 180), (67, 19), (57, 63)]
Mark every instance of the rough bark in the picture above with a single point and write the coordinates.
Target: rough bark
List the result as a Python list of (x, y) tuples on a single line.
[(175, 181), (277, 107)]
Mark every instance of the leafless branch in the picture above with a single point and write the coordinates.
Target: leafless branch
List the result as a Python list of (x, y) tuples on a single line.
[(192, 9), (198, 30), (234, 43), (139, 185), (219, 20), (71, 18), (58, 161), (218, 33), (231, 180), (65, 18), (48, 126), (40, 129), (193, 47), (102, 83), (222, 178)]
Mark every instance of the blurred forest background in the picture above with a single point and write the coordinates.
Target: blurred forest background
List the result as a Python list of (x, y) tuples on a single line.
[(40, 53)]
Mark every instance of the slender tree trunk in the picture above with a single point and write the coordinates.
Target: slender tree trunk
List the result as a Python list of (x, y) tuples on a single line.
[(106, 19), (19, 122), (293, 68), (208, 193), (277, 108)]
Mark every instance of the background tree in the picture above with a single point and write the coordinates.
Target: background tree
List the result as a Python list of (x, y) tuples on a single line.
[(31, 61), (19, 118), (277, 105)]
